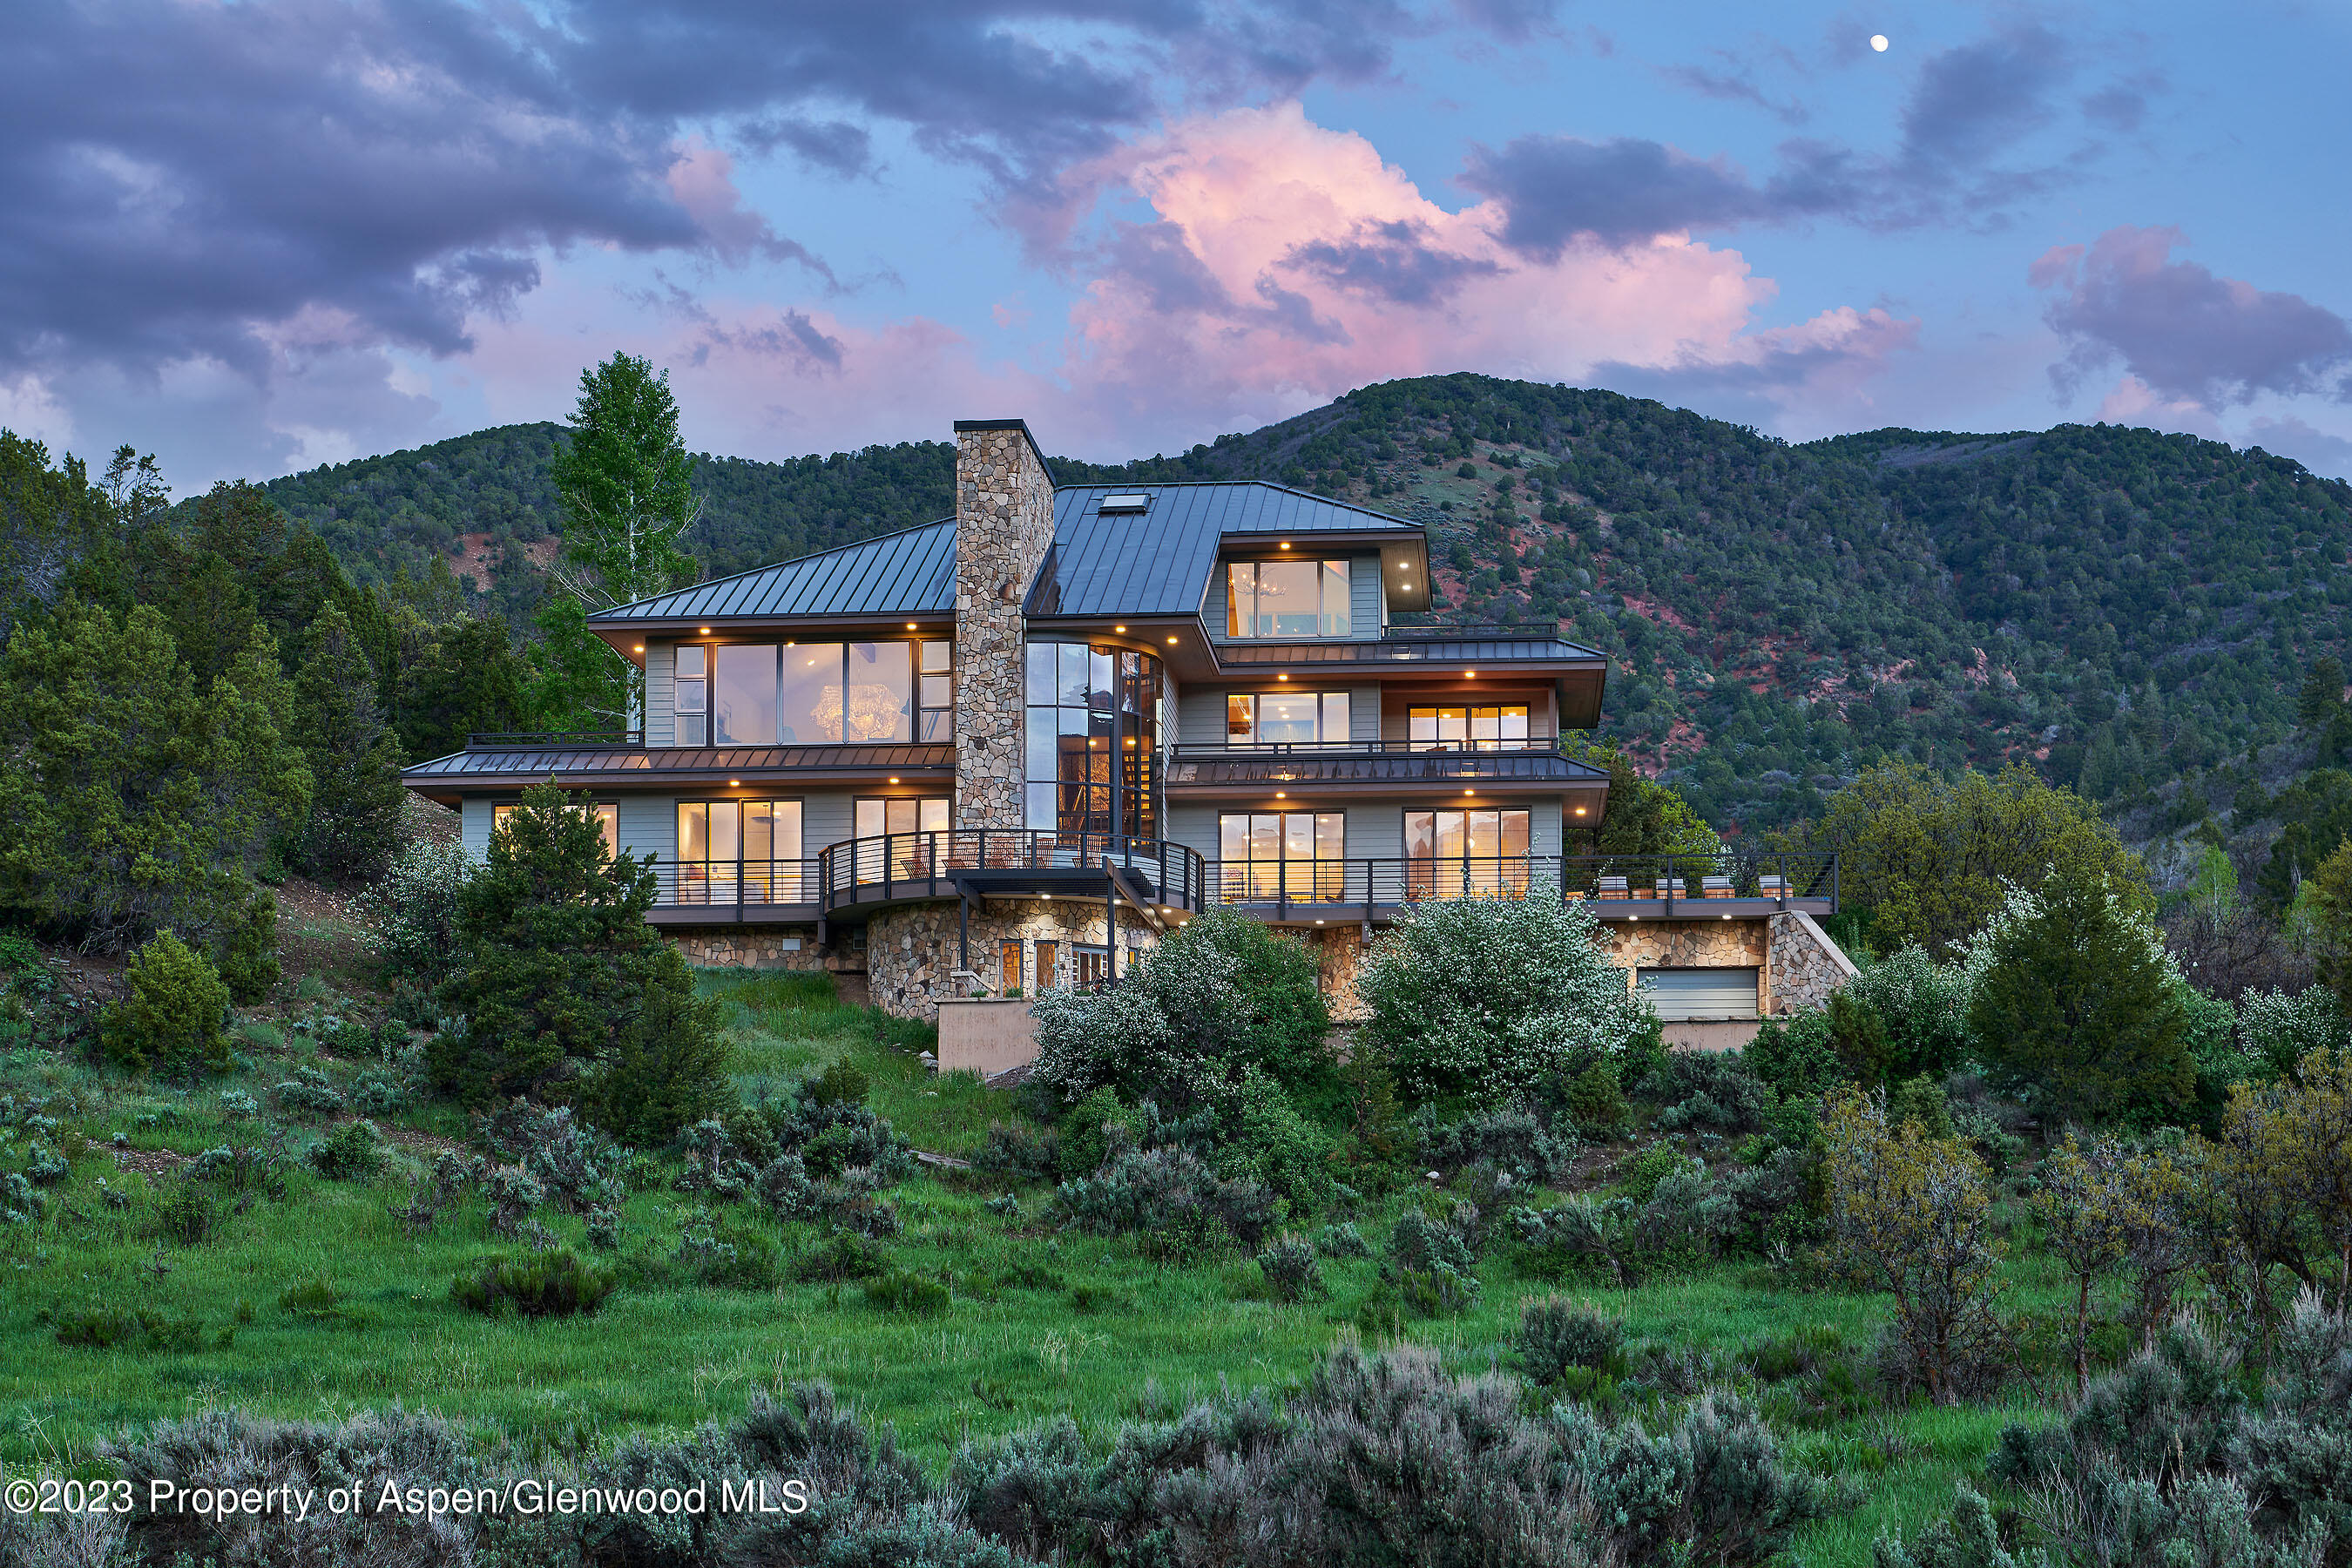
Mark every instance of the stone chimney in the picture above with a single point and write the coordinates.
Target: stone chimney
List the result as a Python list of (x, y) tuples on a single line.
[(1004, 525)]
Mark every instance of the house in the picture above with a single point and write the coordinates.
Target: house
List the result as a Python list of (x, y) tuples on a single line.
[(1004, 750)]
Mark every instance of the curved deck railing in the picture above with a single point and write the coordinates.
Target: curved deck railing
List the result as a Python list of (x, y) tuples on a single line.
[(931, 865)]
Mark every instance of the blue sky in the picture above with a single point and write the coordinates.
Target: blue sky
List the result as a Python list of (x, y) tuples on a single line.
[(255, 236)]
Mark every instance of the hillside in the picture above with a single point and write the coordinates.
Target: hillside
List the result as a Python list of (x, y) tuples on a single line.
[(2120, 606)]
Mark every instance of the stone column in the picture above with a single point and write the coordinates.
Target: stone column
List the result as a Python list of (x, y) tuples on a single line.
[(1004, 525)]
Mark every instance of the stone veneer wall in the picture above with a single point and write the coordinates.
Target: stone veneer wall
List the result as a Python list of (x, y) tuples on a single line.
[(1806, 965), (1339, 953), (911, 950), (1004, 525), (739, 947)]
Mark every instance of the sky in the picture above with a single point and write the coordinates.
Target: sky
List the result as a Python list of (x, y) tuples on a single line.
[(255, 236)]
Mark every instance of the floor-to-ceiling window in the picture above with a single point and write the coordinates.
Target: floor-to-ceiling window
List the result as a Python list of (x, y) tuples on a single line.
[(740, 851), (1451, 853), (902, 832), (1092, 740), (1266, 854), (815, 694), (1288, 599), (1468, 729), (1286, 717)]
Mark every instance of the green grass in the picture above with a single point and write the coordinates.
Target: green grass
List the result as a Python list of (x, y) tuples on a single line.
[(665, 1353)]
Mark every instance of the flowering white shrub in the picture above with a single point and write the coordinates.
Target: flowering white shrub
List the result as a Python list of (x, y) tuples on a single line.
[(413, 906), (1482, 997)]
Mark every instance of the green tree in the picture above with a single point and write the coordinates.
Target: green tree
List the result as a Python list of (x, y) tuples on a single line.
[(1910, 1214), (2329, 923), (560, 979), (130, 802), (2075, 1004), (464, 677), (170, 1016), (627, 484), (1930, 857), (2322, 695), (1642, 816), (355, 802)]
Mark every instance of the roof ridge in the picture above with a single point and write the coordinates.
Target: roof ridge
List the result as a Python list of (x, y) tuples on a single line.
[(775, 566), (1231, 484)]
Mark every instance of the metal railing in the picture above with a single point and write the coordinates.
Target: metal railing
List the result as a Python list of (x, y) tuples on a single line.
[(549, 740), (1210, 754), (739, 882), (1692, 884), (927, 865)]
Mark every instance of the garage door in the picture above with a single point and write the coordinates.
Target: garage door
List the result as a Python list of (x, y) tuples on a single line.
[(1682, 993)]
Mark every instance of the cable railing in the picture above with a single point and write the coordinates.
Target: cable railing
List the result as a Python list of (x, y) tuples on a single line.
[(549, 740), (1239, 749), (737, 881), (931, 865), (1672, 884)]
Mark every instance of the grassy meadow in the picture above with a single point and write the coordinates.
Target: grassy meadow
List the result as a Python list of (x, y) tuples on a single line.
[(1040, 1321)]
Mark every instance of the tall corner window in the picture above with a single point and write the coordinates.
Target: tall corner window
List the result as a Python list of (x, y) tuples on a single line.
[(938, 693), (1091, 739), (691, 696), (1288, 599)]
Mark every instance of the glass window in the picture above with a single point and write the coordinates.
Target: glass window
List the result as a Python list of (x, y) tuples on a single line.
[(1288, 599), (1090, 747), (938, 657), (1478, 729), (1094, 967), (1297, 855), (1286, 717), (691, 696), (1048, 965), (881, 687), (810, 698), (1008, 967), (1456, 854), (1044, 683), (744, 706), (1073, 675)]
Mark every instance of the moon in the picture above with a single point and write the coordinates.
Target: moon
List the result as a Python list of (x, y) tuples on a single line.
[(1878, 42)]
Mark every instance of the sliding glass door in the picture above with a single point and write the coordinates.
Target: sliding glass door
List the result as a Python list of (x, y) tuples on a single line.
[(1453, 854), (740, 851)]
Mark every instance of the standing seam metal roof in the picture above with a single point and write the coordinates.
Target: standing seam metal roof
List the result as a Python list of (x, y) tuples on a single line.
[(1155, 562), (905, 573), (1158, 562)]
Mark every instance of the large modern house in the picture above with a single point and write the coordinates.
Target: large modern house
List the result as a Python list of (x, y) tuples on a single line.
[(999, 752)]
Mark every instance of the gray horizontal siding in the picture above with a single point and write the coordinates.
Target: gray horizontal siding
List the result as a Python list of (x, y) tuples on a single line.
[(661, 675)]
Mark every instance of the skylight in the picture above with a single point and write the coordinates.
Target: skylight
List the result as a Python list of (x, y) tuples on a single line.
[(1125, 503)]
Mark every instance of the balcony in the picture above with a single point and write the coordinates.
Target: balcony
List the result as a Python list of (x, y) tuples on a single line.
[(1617, 886), (1476, 645), (1536, 760), (859, 874)]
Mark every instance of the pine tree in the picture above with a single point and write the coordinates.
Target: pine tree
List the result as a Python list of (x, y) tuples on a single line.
[(2075, 1007), (628, 497), (560, 979), (354, 822), (2322, 696)]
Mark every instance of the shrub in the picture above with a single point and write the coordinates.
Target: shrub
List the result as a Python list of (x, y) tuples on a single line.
[(1167, 1195), (580, 1167), (1513, 1140), (841, 1083), (714, 1164), (1342, 1240), (1017, 1152), (1431, 1265), (1085, 1133), (174, 1018), (665, 1068), (1909, 1215), (1270, 1143), (835, 1135), (236, 1102), (1290, 1269), (308, 1093), (1594, 1100), (1710, 1090), (729, 1256), (1686, 1217), (1556, 1333), (412, 909), (536, 1285), (2283, 1162), (185, 1214), (899, 1291), (510, 1194), (1223, 995), (138, 1329), (44, 1167), (353, 1153), (21, 1202), (841, 1256), (379, 1094), (1483, 999)]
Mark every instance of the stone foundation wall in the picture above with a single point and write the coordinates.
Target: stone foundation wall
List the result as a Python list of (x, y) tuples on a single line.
[(739, 947), (911, 952), (1339, 953), (1806, 965)]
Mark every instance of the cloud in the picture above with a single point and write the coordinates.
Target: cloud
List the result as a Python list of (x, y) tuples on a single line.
[(1974, 101), (2183, 334), (2316, 449), (1557, 188)]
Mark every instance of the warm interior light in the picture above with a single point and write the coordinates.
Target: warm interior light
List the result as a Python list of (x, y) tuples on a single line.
[(1282, 794), (894, 781), (705, 631), (641, 647), (1118, 628), (1285, 544), (1282, 677), (733, 782), (910, 626), (1171, 639), (1469, 675)]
